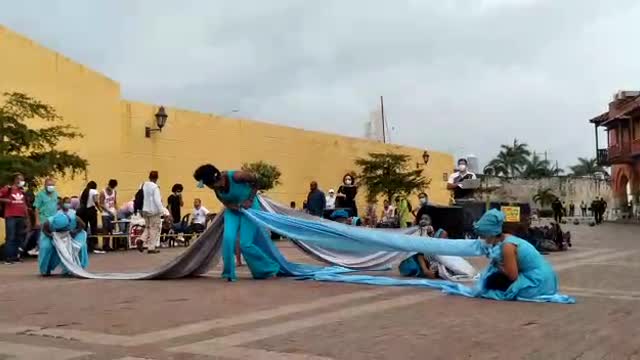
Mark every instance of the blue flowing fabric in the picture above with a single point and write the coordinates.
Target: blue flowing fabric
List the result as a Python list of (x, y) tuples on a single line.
[(347, 239)]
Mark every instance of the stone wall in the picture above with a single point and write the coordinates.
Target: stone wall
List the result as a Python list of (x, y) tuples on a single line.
[(566, 187)]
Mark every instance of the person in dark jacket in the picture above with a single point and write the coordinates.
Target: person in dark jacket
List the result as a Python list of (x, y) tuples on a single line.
[(316, 201)]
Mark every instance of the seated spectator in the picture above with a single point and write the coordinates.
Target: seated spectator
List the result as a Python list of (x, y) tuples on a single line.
[(342, 216), (124, 213), (388, 213), (198, 217)]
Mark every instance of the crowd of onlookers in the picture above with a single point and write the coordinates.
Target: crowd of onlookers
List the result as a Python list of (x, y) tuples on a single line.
[(25, 211), (597, 208), (341, 206)]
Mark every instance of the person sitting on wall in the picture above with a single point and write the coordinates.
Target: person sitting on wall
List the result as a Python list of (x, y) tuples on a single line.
[(455, 182)]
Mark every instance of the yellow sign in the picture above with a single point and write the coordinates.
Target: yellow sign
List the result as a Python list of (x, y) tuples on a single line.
[(512, 213)]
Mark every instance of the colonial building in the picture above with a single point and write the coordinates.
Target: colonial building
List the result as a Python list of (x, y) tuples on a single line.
[(622, 124)]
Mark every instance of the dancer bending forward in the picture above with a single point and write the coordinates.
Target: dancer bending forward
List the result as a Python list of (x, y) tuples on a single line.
[(236, 190)]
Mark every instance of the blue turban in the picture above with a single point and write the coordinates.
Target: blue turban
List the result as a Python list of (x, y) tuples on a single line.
[(339, 214), (490, 224), (60, 222)]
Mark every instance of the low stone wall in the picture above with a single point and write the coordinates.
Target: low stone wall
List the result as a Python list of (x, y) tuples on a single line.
[(566, 187)]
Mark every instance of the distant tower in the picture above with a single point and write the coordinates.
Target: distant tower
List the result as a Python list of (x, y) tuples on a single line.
[(373, 128), (473, 163)]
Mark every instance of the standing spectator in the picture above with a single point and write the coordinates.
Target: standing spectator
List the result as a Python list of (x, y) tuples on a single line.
[(331, 200), (316, 201), (572, 209), (404, 211), (583, 208), (595, 210), (16, 217), (46, 205), (456, 180), (175, 203), (557, 208), (603, 208), (152, 211), (108, 201), (198, 217), (347, 195), (88, 213), (423, 200)]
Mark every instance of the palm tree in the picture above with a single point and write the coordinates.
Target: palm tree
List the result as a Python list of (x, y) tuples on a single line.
[(587, 167), (544, 197), (537, 168), (510, 161)]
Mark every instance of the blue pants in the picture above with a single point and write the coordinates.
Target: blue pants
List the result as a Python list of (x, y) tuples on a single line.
[(15, 234), (236, 224)]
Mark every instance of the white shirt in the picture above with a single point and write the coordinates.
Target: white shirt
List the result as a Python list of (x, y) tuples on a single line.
[(388, 214), (91, 200), (152, 199), (330, 202), (109, 203), (456, 177), (199, 216)]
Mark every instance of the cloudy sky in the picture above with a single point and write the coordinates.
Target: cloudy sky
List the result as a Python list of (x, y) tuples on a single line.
[(457, 75)]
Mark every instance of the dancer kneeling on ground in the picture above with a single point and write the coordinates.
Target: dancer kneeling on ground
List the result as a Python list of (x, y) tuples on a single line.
[(421, 265), (517, 269), (236, 190), (64, 223)]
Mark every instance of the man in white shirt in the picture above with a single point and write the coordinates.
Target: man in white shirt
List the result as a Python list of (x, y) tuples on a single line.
[(455, 181), (198, 216), (152, 211), (331, 200)]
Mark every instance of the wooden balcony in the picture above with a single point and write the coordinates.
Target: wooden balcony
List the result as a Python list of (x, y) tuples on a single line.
[(619, 154), (602, 157)]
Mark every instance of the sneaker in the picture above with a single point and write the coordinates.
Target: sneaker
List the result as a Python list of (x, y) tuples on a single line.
[(140, 245), (96, 251), (7, 262), (33, 252)]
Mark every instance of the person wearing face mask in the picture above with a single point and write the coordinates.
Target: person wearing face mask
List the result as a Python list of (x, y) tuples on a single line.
[(64, 221), (16, 217), (423, 200), (237, 190), (516, 269), (347, 195), (455, 181), (46, 205)]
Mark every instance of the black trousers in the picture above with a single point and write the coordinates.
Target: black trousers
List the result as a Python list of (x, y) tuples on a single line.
[(90, 217)]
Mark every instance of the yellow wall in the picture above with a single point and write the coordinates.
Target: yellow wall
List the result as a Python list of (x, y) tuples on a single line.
[(115, 145)]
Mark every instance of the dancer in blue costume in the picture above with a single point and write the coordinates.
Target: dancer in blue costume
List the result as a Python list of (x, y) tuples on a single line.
[(517, 269), (65, 220), (237, 190)]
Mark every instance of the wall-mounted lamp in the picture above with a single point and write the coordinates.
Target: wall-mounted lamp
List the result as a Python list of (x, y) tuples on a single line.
[(425, 160), (161, 120)]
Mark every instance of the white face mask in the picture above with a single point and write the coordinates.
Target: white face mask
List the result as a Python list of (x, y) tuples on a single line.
[(50, 188), (423, 200), (462, 167), (347, 181), (21, 183)]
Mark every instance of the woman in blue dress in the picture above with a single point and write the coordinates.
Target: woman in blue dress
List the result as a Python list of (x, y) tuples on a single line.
[(517, 270), (65, 220), (236, 190)]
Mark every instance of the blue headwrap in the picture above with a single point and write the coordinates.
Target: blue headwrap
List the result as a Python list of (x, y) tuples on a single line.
[(490, 224), (339, 214), (60, 222)]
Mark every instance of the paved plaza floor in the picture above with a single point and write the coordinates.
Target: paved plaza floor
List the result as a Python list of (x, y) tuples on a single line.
[(206, 318)]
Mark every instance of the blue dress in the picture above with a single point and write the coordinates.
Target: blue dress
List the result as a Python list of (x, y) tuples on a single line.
[(536, 277), (236, 224), (48, 259)]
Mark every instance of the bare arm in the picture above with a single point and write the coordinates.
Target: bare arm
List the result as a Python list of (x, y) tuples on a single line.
[(510, 261), (244, 177), (81, 224), (424, 266)]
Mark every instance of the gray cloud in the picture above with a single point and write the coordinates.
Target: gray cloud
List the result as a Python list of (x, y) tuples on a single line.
[(458, 75)]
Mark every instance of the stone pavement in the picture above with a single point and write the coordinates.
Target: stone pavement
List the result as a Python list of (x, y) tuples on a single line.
[(206, 318)]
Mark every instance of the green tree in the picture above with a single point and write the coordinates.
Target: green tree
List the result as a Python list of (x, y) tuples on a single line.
[(510, 161), (537, 168), (544, 197), (587, 167), (389, 174), (32, 150), (268, 175)]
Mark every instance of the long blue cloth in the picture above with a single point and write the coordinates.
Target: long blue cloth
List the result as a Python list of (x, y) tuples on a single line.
[(353, 239)]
